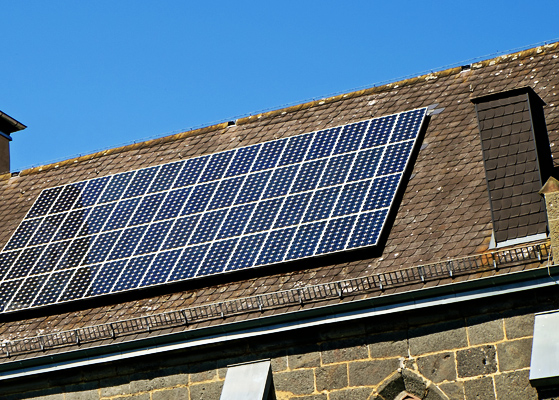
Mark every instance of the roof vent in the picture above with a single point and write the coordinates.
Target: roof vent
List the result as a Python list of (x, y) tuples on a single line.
[(231, 123), (465, 68)]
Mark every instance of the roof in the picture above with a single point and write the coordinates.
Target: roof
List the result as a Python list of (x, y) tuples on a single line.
[(444, 213)]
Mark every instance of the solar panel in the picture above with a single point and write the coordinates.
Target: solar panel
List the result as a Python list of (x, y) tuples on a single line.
[(287, 199)]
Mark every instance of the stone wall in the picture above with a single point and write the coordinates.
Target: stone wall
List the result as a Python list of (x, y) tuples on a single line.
[(479, 350)]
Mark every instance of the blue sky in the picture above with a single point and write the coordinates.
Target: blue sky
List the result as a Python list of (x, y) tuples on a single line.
[(90, 75)]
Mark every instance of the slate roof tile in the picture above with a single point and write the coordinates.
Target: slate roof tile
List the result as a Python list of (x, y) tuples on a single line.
[(430, 225)]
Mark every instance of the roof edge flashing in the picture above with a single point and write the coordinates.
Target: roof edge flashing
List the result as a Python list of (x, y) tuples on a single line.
[(508, 93)]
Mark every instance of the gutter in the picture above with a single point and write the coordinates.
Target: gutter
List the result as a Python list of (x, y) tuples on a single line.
[(355, 310)]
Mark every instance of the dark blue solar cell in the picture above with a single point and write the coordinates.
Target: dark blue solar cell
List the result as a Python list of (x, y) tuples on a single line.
[(296, 149), (7, 290), (226, 192), (79, 283), (337, 170), (141, 182), (96, 219), (407, 125), (305, 240), (181, 232), (351, 198), (127, 242), (154, 237), (45, 201), (101, 247), (367, 229), (67, 198), (91, 192), (133, 273), (217, 165), (243, 160), (351, 137), (276, 246), (47, 229), (281, 181), (121, 214), (106, 277), (336, 235), (269, 155), (234, 224), (264, 215), (378, 132), (253, 187), (75, 252), (199, 198), (191, 171), (323, 143), (52, 289), (395, 158), (72, 224), (165, 177), (189, 262), (246, 252), (116, 187), (23, 234), (365, 164), (293, 209), (322, 203), (381, 192), (173, 203), (208, 226), (147, 209), (308, 176), (6, 262), (217, 258), (161, 267), (27, 292), (25, 262), (50, 257)]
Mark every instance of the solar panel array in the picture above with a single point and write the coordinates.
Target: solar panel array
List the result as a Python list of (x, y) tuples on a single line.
[(272, 202)]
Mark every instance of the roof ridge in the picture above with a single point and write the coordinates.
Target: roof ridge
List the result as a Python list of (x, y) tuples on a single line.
[(539, 50)]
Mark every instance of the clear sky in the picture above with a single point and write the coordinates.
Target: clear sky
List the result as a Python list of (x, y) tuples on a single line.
[(90, 75)]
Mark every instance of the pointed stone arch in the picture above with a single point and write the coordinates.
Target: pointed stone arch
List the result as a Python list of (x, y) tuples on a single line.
[(406, 384)]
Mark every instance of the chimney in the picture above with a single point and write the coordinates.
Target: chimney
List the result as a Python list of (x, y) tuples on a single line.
[(8, 125), (517, 160)]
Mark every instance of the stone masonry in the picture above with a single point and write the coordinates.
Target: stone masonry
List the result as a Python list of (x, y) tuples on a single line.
[(441, 353)]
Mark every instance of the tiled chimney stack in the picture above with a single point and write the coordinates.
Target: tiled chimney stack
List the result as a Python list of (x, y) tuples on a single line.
[(550, 191), (8, 125), (517, 161)]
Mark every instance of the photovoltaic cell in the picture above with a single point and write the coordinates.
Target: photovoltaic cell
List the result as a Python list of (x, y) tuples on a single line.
[(117, 186), (161, 267), (253, 187), (189, 262), (140, 182), (165, 177), (191, 170), (91, 192), (281, 181), (243, 160), (44, 202), (286, 199), (50, 257), (217, 257), (53, 287), (68, 197)]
